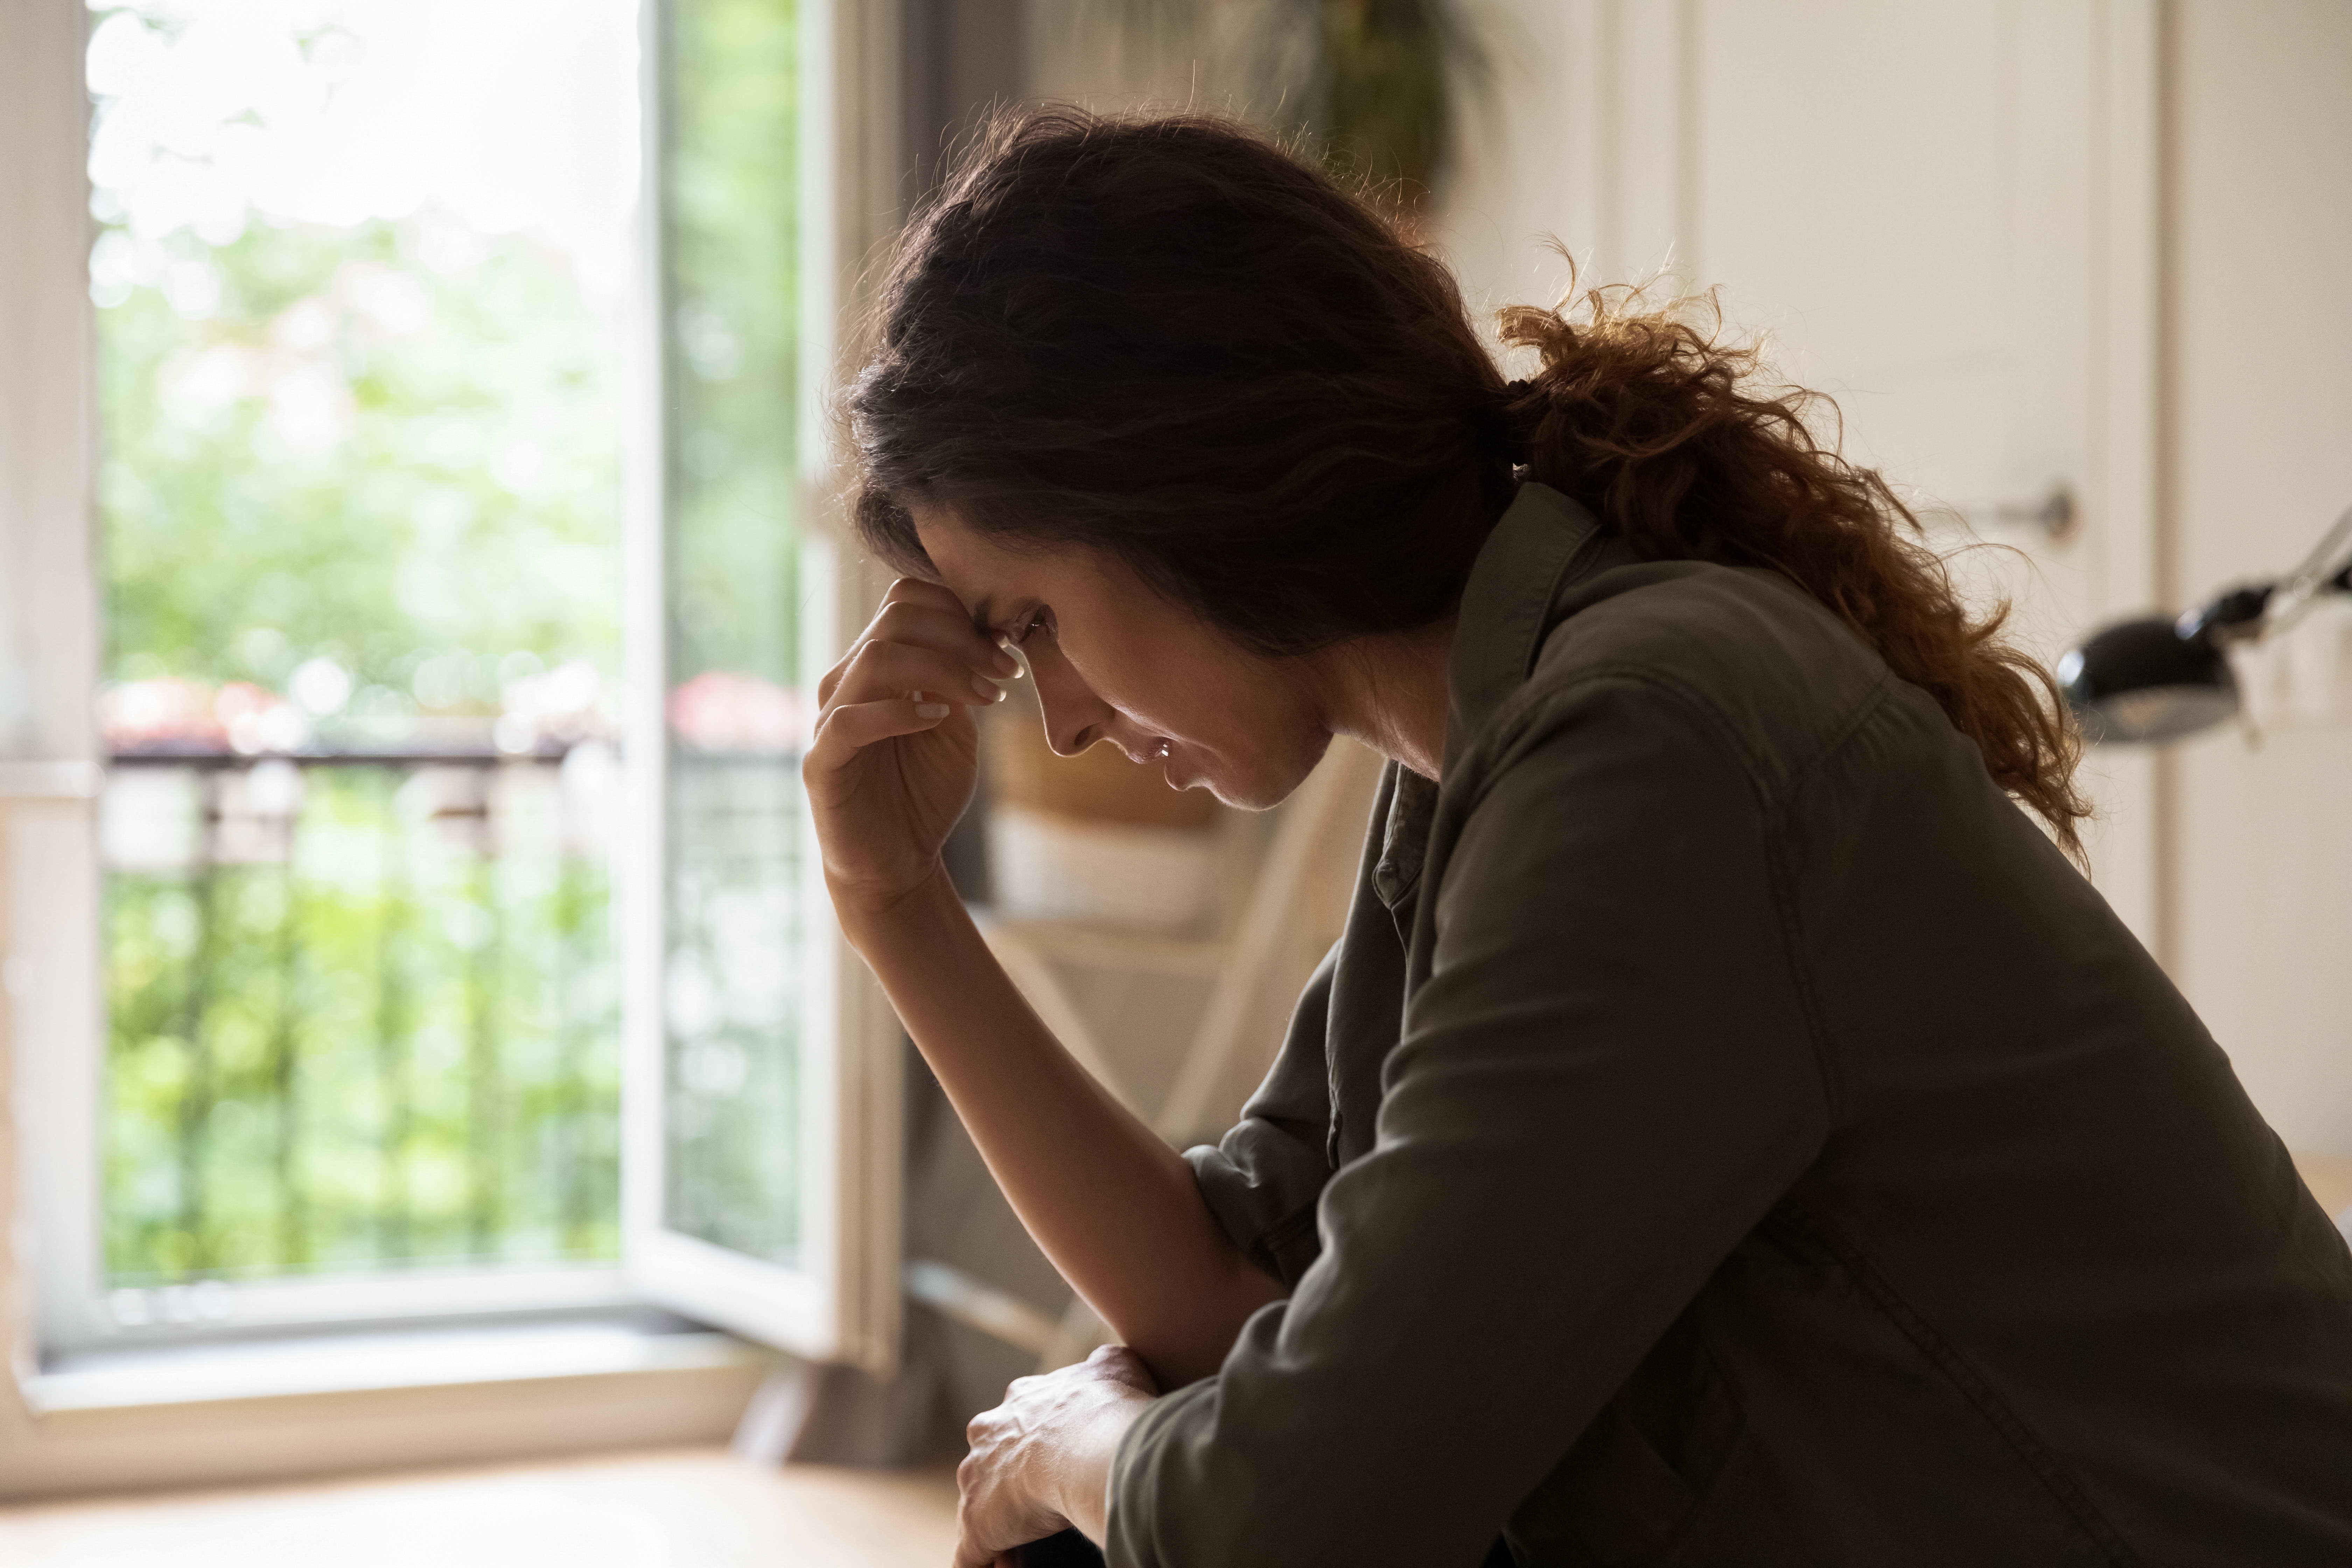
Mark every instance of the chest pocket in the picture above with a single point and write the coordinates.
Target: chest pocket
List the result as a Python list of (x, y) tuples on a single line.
[(1626, 1491)]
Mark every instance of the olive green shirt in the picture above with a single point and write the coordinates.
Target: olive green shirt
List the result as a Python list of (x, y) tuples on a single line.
[(1729, 1133)]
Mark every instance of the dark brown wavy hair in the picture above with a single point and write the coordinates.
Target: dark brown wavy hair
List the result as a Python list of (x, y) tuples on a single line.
[(1174, 340)]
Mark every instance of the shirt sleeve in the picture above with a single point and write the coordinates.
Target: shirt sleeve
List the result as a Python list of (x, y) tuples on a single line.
[(1262, 1180), (1606, 1079)]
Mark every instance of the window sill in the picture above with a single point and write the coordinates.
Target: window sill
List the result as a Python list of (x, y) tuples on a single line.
[(255, 1410), (345, 1364)]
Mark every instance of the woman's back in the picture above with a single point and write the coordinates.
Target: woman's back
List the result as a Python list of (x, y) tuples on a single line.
[(1730, 1086)]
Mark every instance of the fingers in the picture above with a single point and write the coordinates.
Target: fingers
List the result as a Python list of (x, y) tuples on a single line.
[(970, 1553), (949, 629), (982, 1538), (986, 1536), (916, 591), (997, 1503), (885, 669), (924, 614), (849, 727)]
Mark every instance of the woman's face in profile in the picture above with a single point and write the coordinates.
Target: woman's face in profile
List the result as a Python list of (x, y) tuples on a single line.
[(1114, 660)]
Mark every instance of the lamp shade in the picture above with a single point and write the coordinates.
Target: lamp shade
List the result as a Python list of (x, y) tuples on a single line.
[(2151, 679), (2155, 679)]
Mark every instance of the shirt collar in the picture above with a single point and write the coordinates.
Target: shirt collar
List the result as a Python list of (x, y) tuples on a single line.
[(1505, 610), (1506, 604)]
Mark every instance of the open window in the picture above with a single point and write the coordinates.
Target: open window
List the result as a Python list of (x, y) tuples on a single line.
[(410, 912)]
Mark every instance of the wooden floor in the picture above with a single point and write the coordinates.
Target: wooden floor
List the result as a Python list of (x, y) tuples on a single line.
[(671, 1508)]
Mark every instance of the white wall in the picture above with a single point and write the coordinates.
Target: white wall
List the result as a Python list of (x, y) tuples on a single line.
[(2258, 401)]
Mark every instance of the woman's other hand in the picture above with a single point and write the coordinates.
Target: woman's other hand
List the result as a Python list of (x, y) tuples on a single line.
[(896, 752), (1041, 1461)]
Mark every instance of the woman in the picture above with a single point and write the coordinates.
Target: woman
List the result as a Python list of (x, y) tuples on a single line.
[(1728, 1131)]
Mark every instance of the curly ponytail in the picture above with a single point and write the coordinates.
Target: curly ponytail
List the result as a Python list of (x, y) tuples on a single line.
[(1170, 339), (1650, 422)]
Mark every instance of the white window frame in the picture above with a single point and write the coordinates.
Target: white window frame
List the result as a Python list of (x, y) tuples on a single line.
[(844, 1306), (48, 648)]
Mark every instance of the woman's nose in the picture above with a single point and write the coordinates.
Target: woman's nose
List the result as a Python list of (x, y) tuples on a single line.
[(1074, 716)]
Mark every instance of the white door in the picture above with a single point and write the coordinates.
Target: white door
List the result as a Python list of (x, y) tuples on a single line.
[(1942, 215)]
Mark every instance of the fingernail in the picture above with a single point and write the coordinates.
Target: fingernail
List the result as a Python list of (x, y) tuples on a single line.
[(1006, 665), (987, 689), (930, 710)]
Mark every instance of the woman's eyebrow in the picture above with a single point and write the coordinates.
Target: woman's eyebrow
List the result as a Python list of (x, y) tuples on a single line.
[(984, 616)]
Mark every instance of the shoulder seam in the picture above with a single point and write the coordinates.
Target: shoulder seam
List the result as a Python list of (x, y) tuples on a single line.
[(1784, 891), (1520, 715), (1517, 716)]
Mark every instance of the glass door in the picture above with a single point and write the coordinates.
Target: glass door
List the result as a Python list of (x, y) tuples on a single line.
[(763, 1147)]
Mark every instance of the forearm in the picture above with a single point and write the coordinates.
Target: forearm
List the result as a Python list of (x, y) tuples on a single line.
[(1114, 1208)]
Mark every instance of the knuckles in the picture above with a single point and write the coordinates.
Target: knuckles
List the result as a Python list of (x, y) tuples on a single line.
[(904, 636)]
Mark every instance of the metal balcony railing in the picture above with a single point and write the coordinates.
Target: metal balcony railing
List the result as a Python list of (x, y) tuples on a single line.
[(363, 1013)]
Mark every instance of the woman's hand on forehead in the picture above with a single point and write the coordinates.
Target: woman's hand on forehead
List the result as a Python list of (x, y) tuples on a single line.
[(928, 617), (895, 754)]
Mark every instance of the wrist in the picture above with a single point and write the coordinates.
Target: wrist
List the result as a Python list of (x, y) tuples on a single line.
[(870, 915), (1085, 1481)]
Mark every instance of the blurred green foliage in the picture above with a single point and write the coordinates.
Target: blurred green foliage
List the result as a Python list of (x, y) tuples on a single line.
[(293, 474), (1380, 85), (730, 270)]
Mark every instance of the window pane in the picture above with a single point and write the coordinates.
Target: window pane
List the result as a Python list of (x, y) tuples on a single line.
[(359, 271), (731, 315)]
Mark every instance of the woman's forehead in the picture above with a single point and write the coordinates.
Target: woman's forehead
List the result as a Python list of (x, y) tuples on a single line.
[(974, 563)]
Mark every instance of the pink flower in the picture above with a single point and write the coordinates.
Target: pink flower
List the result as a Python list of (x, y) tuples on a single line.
[(726, 710)]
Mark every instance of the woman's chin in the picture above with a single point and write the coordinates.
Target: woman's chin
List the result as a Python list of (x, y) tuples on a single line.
[(1181, 777), (1258, 790), (1239, 800)]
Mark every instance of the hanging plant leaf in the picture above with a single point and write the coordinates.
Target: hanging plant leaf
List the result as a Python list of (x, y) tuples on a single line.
[(1373, 83)]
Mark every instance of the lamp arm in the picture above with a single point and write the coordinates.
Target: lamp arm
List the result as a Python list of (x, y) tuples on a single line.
[(2320, 570)]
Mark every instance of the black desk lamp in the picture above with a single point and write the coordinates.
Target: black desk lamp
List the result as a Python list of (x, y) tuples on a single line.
[(2155, 679)]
